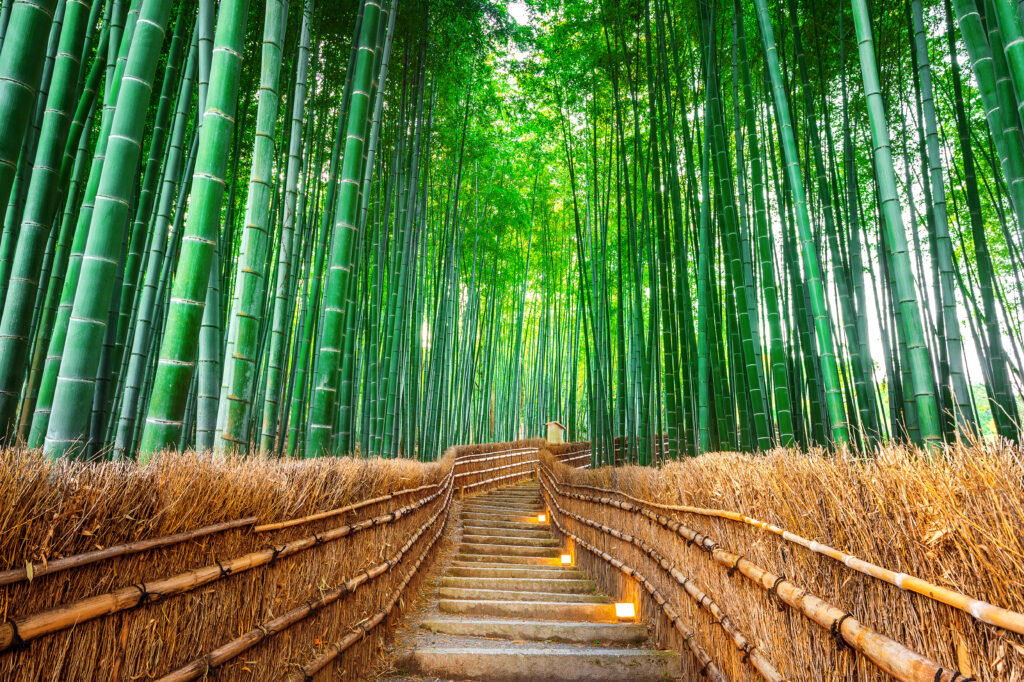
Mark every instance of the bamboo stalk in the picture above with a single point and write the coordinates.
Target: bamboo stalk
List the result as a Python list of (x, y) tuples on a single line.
[(15, 575)]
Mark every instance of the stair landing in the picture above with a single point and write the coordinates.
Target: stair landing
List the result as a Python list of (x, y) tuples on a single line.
[(506, 610)]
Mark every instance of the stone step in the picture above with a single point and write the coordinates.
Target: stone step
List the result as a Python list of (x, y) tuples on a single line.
[(508, 540), (503, 507), (492, 516), (540, 610), (505, 595), (476, 559), (517, 499), (566, 585), (506, 571), (539, 630), (529, 663), (506, 550), (473, 529), (500, 523)]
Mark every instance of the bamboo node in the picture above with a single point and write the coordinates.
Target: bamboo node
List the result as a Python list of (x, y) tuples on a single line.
[(17, 643), (732, 569)]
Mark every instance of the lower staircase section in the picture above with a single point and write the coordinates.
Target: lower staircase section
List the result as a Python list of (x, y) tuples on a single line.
[(508, 610)]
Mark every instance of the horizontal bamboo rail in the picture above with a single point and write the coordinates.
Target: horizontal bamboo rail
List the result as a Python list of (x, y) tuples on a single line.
[(15, 575), (361, 629), (500, 467), (978, 609), (21, 630), (208, 662), (751, 653), (462, 460), (707, 666), (344, 510), (887, 654)]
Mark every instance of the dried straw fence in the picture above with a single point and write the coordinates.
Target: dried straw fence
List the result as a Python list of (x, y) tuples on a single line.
[(244, 568), (799, 567)]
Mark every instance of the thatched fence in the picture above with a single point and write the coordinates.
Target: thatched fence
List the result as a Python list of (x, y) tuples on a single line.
[(801, 567), (244, 568)]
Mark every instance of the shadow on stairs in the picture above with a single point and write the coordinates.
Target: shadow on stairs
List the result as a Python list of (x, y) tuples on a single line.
[(506, 609)]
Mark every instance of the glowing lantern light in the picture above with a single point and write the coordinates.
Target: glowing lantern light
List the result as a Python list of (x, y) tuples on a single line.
[(566, 559), (542, 518), (625, 610)]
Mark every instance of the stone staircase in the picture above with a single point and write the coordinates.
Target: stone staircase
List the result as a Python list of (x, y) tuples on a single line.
[(508, 610)]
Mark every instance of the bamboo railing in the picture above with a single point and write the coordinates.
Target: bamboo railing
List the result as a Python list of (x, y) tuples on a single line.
[(629, 534), (187, 593)]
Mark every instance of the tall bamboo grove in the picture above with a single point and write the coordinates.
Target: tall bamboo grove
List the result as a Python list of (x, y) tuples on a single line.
[(381, 227)]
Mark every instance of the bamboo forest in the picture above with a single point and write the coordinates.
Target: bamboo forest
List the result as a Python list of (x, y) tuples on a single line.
[(385, 227)]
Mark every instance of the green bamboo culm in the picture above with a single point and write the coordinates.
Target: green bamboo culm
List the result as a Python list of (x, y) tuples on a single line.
[(324, 393), (815, 290), (73, 397), (911, 327), (178, 350)]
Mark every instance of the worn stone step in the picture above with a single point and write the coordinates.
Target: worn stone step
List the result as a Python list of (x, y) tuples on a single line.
[(500, 523), (492, 516), (514, 499), (505, 550), (540, 610), (509, 540), (506, 595), (528, 663), (503, 507), (567, 585), (539, 630), (473, 529), (506, 571), (476, 559)]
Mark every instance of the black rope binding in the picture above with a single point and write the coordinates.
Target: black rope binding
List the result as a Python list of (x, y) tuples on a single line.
[(775, 592), (224, 572), (274, 551), (732, 569), (146, 597), (837, 633)]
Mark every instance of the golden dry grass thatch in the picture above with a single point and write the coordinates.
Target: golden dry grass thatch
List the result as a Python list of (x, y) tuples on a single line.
[(954, 519)]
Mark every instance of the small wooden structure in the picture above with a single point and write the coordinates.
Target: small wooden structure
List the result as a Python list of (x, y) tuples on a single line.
[(556, 432)]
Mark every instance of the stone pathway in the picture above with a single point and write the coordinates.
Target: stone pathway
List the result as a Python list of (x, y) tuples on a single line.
[(507, 610)]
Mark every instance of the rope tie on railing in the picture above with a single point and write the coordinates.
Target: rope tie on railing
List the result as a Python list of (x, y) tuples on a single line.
[(837, 631), (146, 597), (732, 569), (224, 572), (775, 593)]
